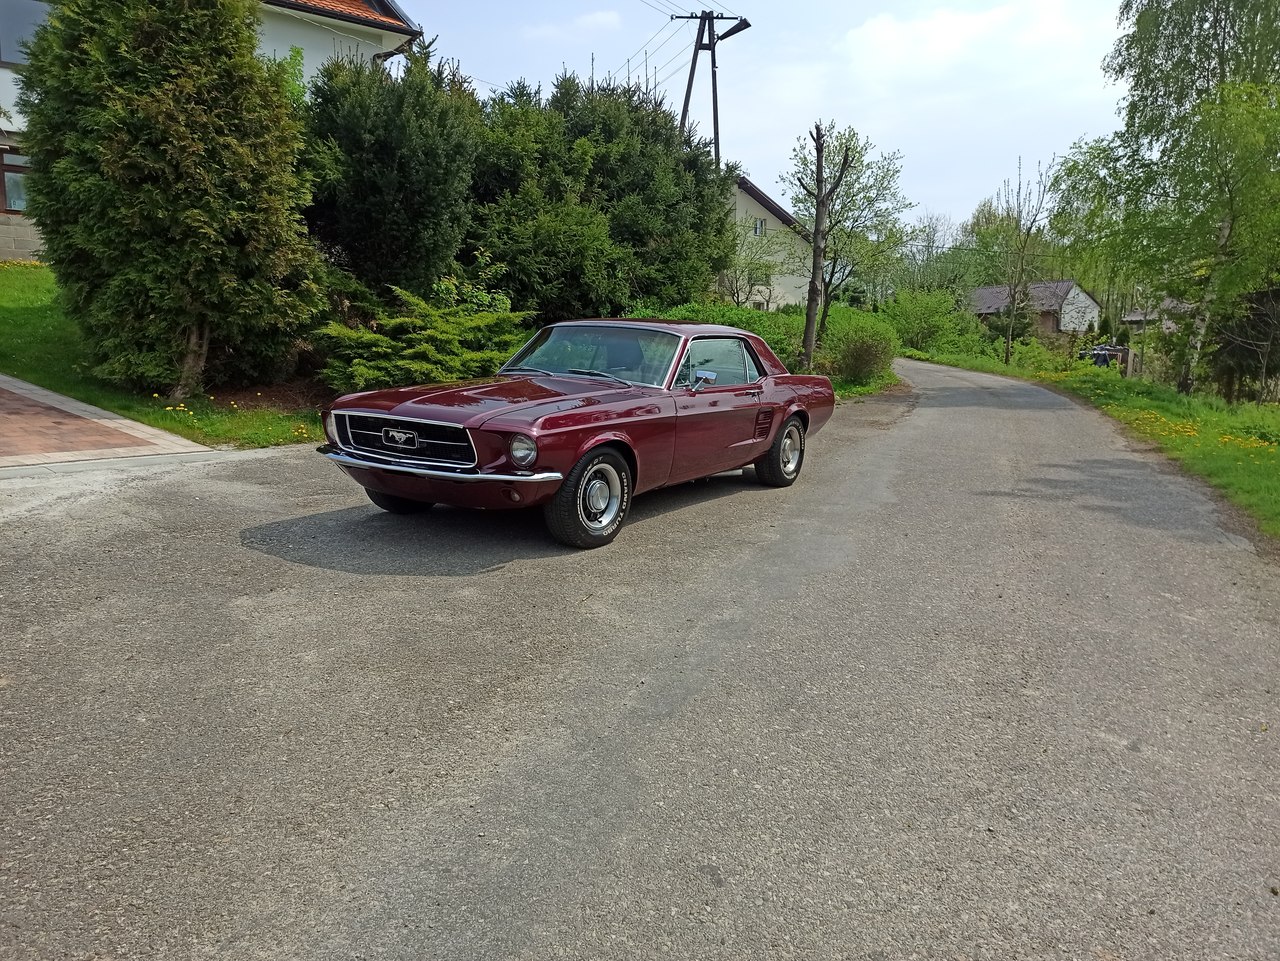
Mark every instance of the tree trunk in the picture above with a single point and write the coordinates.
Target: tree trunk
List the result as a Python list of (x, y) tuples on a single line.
[(193, 360), (822, 320), (819, 249), (1262, 373), (1008, 338)]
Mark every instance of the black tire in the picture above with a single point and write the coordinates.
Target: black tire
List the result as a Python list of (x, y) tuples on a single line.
[(397, 505), (592, 503), (781, 466)]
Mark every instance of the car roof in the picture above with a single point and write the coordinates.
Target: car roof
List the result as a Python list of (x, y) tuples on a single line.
[(684, 329)]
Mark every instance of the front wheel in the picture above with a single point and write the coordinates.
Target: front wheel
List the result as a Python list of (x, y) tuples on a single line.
[(397, 505), (590, 506), (781, 465)]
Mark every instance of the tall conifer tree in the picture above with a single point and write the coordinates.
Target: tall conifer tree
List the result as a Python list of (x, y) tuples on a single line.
[(164, 181)]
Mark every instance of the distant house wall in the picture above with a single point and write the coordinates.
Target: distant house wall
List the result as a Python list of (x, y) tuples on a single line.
[(19, 239), (9, 97), (1079, 311), (788, 287), (320, 38)]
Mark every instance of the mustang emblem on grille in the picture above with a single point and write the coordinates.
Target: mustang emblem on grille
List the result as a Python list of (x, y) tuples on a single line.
[(399, 438)]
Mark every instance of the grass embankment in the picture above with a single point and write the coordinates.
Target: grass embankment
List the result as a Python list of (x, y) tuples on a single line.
[(40, 345), (1234, 448)]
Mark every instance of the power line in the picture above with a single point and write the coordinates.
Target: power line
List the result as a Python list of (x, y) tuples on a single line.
[(679, 56), (641, 48), (670, 6), (655, 9)]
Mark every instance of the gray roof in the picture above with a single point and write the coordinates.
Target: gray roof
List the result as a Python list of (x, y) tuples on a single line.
[(1168, 306), (1046, 296)]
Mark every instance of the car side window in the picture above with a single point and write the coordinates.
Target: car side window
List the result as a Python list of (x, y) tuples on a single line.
[(726, 357)]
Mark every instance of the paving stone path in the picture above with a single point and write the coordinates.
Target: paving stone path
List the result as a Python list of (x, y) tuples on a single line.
[(39, 428)]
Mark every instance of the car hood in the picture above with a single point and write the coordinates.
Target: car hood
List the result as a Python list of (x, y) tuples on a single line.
[(471, 403)]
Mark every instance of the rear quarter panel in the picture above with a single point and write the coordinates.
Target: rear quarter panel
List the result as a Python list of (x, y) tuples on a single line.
[(812, 394)]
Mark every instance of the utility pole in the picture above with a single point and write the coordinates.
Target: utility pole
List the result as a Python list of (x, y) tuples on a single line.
[(707, 40)]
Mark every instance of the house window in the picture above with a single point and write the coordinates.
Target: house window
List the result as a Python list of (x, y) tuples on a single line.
[(13, 170), (18, 22), (760, 227)]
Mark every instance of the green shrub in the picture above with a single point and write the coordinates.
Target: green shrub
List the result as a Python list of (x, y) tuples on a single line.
[(164, 157), (392, 156), (922, 319), (1030, 354), (860, 350), (423, 345)]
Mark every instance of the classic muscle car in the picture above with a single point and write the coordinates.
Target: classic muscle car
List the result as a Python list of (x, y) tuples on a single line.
[(586, 415)]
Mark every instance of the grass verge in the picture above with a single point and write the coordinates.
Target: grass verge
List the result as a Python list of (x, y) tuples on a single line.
[(846, 388), (1234, 448), (40, 345)]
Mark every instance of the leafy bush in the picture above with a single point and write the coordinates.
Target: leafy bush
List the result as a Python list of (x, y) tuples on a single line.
[(423, 345), (392, 157), (923, 319), (860, 350), (164, 181), (1030, 354), (593, 198)]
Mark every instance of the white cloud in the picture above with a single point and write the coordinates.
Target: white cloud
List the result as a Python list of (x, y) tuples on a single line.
[(962, 92), (596, 22)]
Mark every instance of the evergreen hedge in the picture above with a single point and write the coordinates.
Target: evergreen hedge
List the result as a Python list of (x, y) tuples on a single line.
[(164, 182), (425, 344)]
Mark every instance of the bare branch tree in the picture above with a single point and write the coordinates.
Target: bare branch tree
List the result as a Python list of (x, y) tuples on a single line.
[(860, 225), (1023, 209), (758, 254), (821, 191)]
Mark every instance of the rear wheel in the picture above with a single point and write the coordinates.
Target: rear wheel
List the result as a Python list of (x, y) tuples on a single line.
[(590, 506), (397, 505), (781, 466)]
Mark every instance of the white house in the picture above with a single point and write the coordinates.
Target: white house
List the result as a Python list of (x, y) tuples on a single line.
[(761, 216), (1059, 306), (319, 28)]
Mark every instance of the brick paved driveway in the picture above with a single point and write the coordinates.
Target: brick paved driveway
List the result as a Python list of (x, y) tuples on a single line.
[(39, 427)]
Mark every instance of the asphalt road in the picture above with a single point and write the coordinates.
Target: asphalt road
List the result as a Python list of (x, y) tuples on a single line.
[(988, 682)]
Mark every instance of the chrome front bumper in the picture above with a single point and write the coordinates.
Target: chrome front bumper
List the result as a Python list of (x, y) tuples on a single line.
[(347, 459)]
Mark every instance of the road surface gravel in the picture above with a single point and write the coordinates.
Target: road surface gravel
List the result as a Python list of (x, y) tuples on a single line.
[(991, 681)]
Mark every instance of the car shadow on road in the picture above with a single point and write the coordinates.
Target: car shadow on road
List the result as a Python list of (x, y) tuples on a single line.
[(452, 542)]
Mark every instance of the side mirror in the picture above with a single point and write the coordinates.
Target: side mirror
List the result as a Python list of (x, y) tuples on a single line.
[(701, 378)]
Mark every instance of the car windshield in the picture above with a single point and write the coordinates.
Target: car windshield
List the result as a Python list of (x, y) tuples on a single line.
[(621, 353)]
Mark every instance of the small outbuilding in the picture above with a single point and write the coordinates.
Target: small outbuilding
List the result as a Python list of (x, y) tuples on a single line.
[(1057, 306)]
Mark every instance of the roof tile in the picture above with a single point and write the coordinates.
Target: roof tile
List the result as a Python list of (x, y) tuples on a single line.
[(1046, 296), (361, 10)]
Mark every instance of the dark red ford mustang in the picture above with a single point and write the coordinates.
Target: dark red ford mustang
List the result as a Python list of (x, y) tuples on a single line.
[(584, 416)]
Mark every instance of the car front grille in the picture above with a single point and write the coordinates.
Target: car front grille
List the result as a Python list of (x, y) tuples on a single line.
[(403, 438)]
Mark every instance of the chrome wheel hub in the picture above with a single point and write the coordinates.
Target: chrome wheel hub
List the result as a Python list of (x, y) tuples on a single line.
[(597, 495), (601, 499), (792, 449)]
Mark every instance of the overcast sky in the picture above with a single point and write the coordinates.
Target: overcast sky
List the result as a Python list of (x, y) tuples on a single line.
[(960, 88)]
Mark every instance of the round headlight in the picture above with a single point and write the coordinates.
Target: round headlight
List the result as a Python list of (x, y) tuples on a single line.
[(330, 428), (524, 450)]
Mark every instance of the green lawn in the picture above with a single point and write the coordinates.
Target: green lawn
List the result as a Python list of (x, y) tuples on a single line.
[(1236, 449), (40, 345)]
